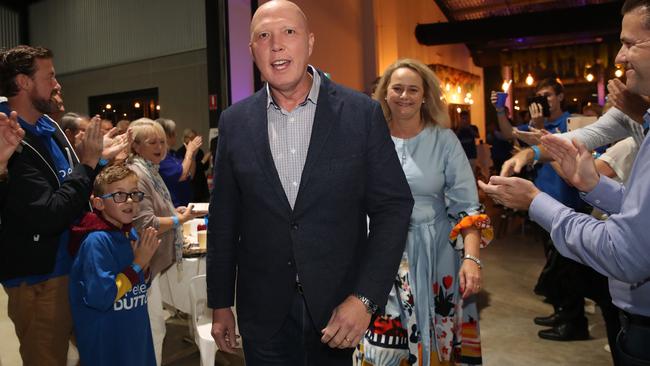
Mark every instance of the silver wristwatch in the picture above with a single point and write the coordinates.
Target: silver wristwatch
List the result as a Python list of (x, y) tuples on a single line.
[(474, 259), (371, 307)]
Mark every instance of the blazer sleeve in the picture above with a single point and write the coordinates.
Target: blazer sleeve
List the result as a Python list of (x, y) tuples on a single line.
[(389, 203), (223, 226)]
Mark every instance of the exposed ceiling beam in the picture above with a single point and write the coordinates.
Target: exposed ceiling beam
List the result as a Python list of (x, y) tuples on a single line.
[(445, 10), (601, 18), (499, 7)]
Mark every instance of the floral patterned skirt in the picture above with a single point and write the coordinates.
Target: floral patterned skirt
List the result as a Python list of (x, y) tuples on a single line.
[(394, 338)]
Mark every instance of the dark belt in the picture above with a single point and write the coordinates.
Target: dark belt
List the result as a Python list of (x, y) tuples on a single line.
[(638, 320)]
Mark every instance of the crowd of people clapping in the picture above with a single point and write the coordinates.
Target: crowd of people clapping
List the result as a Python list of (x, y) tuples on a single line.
[(348, 228)]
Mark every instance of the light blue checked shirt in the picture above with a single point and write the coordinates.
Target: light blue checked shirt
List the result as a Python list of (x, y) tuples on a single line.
[(619, 247), (289, 136)]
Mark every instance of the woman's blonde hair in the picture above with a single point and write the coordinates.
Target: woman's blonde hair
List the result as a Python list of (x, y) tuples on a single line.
[(434, 109), (144, 128)]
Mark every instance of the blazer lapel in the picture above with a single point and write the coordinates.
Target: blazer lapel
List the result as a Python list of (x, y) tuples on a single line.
[(258, 125), (328, 109)]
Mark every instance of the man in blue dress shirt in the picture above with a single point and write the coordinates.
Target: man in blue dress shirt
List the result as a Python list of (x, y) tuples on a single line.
[(619, 247)]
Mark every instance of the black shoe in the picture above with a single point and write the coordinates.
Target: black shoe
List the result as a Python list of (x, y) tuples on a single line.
[(547, 321), (575, 330)]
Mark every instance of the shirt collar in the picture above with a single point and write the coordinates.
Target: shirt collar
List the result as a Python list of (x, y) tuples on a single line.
[(646, 120), (313, 92)]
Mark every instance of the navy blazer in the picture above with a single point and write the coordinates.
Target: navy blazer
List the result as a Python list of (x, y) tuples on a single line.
[(255, 237)]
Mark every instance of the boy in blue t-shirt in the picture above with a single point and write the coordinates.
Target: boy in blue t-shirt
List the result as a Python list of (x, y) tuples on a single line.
[(108, 291)]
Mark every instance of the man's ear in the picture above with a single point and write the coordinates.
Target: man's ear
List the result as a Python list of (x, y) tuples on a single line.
[(23, 81), (98, 203)]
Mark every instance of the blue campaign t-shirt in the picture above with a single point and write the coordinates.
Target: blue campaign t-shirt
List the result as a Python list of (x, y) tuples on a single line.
[(547, 180), (109, 331)]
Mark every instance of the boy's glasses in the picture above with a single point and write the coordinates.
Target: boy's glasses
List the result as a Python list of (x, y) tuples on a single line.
[(120, 197)]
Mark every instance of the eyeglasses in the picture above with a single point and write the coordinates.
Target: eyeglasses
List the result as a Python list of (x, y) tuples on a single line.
[(120, 197)]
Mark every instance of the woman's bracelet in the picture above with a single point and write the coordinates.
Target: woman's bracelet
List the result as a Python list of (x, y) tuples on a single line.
[(176, 222), (473, 259)]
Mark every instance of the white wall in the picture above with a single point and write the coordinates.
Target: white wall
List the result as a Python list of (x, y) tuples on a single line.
[(181, 80), (102, 47), (89, 34), (9, 28)]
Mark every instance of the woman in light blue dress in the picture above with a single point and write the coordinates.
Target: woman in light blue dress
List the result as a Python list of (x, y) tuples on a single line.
[(431, 316)]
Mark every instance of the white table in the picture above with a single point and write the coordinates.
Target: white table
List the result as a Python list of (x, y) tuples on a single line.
[(175, 283)]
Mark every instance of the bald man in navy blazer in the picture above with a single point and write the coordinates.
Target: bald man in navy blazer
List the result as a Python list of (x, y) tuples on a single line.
[(300, 165)]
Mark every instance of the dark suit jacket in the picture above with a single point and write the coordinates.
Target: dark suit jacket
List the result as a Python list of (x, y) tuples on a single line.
[(255, 237)]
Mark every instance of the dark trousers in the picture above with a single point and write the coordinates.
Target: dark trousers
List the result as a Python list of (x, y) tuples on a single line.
[(561, 282), (296, 343), (633, 341), (566, 283)]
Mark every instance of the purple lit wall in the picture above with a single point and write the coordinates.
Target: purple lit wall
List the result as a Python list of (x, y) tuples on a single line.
[(241, 63)]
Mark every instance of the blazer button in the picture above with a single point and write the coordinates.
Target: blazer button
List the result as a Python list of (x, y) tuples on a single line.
[(294, 226), (289, 264)]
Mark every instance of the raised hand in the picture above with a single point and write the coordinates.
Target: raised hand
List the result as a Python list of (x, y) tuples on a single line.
[(531, 137), (115, 145), (493, 100), (347, 324), (193, 146), (10, 136), (511, 192), (576, 163), (146, 247), (92, 144), (634, 105), (536, 115)]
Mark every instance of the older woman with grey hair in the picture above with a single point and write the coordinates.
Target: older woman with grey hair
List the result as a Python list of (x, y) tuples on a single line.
[(176, 172), (148, 149)]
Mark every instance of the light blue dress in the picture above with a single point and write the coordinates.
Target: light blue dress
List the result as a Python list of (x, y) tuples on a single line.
[(426, 322)]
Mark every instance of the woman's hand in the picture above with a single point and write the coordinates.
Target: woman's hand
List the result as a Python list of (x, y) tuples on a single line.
[(193, 146), (185, 214), (469, 278)]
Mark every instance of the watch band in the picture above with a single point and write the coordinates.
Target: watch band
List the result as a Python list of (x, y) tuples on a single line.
[(371, 307), (473, 259)]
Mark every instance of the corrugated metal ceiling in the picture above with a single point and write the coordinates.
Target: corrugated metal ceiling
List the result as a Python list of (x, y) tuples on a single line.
[(460, 10)]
